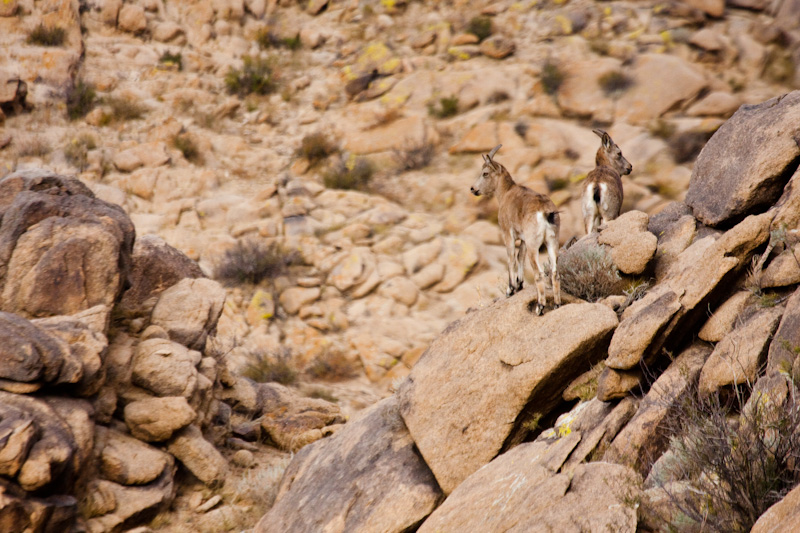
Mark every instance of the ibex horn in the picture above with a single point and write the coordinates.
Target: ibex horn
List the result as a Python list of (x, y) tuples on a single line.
[(494, 150)]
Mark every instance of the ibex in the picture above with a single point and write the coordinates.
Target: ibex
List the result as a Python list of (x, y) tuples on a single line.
[(602, 195), (525, 215)]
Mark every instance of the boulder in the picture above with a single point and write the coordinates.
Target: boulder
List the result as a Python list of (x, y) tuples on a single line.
[(497, 47), (293, 298), (783, 516), (156, 266), (401, 134), (293, 421), (596, 438), (156, 419), (517, 492), (497, 360), (61, 249), (132, 18), (660, 82), (613, 384), (165, 368), (366, 477), (722, 321), (715, 8), (129, 461), (133, 505), (632, 246), (30, 354), (199, 456), (673, 240), (783, 270), (189, 310), (785, 345), (738, 356), (580, 94), (641, 441), (746, 164)]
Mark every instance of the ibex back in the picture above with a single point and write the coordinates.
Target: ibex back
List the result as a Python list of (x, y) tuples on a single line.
[(525, 215), (602, 194)]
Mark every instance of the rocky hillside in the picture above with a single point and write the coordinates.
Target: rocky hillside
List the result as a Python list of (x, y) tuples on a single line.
[(315, 159)]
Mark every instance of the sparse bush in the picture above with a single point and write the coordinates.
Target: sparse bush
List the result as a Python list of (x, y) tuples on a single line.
[(589, 273), (169, 59), (315, 147), (552, 77), (739, 457), (521, 128), (263, 367), (253, 261), (480, 27), (354, 174), (615, 83), (447, 106), (779, 66), (32, 146), (255, 76), (188, 147), (267, 39), (121, 110), (414, 157), (81, 98), (332, 365), (662, 129), (77, 150), (498, 96), (322, 394), (47, 36)]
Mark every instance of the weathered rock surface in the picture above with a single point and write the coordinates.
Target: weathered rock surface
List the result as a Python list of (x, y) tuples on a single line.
[(632, 246), (61, 249), (367, 477), (785, 345), (189, 311), (783, 516), (165, 368), (641, 441), (156, 419), (743, 167), (129, 461), (199, 456), (496, 361)]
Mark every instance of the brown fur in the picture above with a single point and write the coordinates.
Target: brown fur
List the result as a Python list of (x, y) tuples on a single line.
[(602, 193), (527, 216)]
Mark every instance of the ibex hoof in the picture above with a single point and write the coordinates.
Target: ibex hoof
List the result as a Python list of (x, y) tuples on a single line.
[(537, 309), (510, 291)]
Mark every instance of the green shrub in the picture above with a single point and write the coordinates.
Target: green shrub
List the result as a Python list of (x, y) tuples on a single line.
[(169, 59), (446, 106), (267, 39), (315, 147), (77, 150), (44, 36), (589, 273), (615, 83), (81, 98), (253, 261), (552, 77), (354, 175), (263, 367), (480, 27), (255, 77)]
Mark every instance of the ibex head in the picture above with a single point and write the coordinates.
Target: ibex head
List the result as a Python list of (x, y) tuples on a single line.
[(610, 155), (487, 180)]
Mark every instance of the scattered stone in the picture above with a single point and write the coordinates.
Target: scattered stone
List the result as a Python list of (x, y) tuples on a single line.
[(199, 456), (497, 47), (156, 419), (132, 18)]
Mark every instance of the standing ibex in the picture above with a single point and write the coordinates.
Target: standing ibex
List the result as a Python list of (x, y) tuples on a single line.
[(525, 215), (602, 195)]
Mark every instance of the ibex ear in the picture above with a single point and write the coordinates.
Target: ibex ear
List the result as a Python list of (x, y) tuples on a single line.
[(607, 142)]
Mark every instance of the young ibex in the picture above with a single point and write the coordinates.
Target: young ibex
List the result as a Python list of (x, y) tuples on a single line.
[(602, 195), (525, 215)]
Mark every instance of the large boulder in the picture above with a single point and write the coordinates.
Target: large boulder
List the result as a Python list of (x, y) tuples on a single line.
[(189, 310), (783, 516), (129, 461), (463, 398), (785, 346), (61, 249), (165, 368), (746, 164), (199, 456), (156, 266), (367, 477)]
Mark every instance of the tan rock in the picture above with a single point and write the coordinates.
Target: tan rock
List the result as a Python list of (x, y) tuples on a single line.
[(673, 240), (515, 492), (128, 461), (783, 516), (632, 246), (156, 419), (717, 103), (737, 357), (352, 269), (642, 439), (661, 82), (613, 384), (725, 317), (783, 270), (292, 299), (189, 311), (497, 47), (393, 493), (131, 503), (132, 18), (510, 351), (580, 93), (481, 138), (459, 257), (148, 155), (397, 135), (8, 8), (199, 456), (422, 255), (715, 8), (400, 289), (165, 368), (785, 345), (166, 31)]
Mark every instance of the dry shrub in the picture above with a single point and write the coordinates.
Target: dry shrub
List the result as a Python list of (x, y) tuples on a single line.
[(47, 36), (81, 98), (589, 273), (268, 367), (186, 144), (414, 157), (353, 174), (32, 146), (316, 147), (332, 365), (738, 457), (253, 261), (255, 77), (552, 77), (446, 106), (480, 27), (615, 83), (121, 110), (77, 150)]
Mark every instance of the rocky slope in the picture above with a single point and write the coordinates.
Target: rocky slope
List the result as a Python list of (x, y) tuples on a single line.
[(139, 101)]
